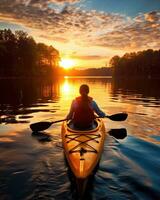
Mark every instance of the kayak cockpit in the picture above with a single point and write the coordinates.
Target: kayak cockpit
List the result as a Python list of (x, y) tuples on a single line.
[(91, 128)]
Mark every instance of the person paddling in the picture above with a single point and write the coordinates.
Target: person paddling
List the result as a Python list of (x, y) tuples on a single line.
[(83, 109)]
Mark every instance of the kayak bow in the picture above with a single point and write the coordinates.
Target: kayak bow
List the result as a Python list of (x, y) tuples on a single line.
[(83, 148)]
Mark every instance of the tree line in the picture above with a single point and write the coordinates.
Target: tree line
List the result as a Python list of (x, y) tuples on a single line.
[(103, 71), (141, 64), (21, 56)]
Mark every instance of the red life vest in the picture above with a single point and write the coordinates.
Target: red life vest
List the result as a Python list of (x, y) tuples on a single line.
[(84, 114)]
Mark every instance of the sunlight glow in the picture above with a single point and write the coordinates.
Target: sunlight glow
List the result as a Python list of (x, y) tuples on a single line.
[(67, 63), (68, 90)]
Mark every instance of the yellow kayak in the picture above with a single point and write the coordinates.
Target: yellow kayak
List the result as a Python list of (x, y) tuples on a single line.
[(83, 148)]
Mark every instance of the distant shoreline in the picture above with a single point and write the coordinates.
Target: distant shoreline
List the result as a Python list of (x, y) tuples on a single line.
[(89, 76), (65, 76), (79, 76)]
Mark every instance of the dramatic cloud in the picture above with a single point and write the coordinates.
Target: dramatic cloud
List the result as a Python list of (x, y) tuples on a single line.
[(43, 2), (70, 24)]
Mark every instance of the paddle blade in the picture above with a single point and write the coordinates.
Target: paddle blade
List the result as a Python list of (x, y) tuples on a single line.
[(118, 117), (120, 133), (40, 126)]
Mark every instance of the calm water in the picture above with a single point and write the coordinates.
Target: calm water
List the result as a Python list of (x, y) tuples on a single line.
[(32, 166)]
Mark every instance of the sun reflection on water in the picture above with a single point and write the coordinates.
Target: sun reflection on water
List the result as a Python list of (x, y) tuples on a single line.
[(32, 158), (68, 90)]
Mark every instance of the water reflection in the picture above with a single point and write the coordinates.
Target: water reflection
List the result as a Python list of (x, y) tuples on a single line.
[(27, 92), (11, 119), (25, 97), (120, 133), (68, 90), (32, 164), (140, 90), (42, 136)]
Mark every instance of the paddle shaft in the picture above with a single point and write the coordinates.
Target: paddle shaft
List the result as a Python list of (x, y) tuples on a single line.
[(61, 120), (40, 126), (107, 116)]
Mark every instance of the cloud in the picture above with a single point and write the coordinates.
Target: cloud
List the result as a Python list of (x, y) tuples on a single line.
[(89, 57), (153, 16), (71, 24), (38, 2), (142, 32), (65, 1), (53, 38)]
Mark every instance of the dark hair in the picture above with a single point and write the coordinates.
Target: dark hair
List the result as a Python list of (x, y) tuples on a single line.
[(84, 89)]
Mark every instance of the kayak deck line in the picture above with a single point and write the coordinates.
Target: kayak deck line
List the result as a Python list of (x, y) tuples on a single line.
[(88, 137), (83, 149), (75, 135)]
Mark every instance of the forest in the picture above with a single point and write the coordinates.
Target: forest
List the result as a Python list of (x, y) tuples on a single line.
[(103, 71), (21, 56), (141, 64)]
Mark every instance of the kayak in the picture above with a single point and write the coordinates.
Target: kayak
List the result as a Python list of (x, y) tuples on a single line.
[(83, 148)]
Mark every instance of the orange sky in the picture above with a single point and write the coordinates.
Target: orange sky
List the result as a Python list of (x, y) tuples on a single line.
[(83, 56), (89, 33)]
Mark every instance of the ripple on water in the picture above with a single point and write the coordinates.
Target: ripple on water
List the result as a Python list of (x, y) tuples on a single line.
[(126, 172), (32, 166)]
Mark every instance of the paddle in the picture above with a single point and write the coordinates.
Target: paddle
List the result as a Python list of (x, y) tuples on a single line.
[(41, 126), (118, 117)]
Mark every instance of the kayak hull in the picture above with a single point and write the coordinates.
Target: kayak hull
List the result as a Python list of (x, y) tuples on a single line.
[(83, 149)]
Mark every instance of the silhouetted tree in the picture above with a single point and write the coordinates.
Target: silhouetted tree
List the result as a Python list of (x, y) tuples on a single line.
[(20, 55), (145, 64)]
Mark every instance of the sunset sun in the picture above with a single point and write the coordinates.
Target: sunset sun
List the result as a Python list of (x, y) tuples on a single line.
[(67, 63)]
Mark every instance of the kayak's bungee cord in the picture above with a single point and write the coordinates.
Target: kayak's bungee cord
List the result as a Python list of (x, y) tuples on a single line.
[(77, 135), (91, 137)]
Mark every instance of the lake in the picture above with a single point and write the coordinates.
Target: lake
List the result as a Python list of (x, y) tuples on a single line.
[(32, 166)]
